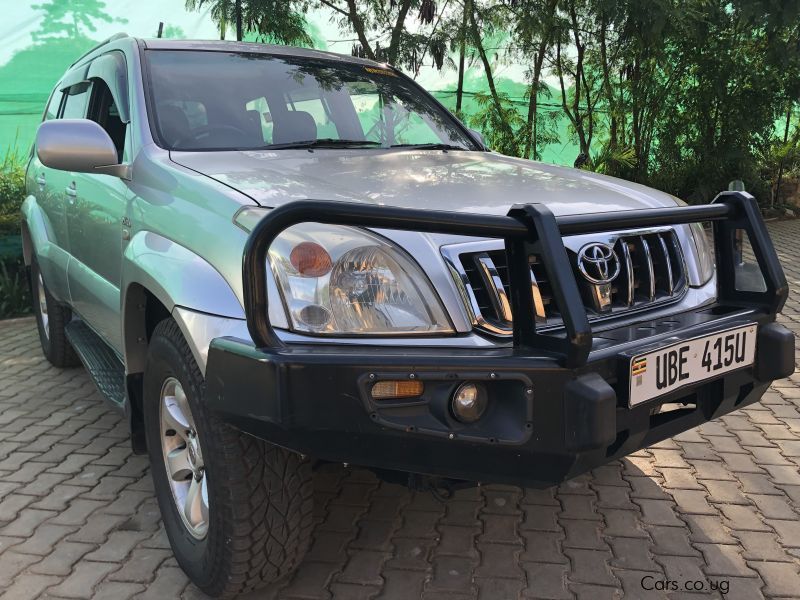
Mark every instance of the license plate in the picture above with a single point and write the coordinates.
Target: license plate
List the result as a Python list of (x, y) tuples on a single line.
[(672, 367)]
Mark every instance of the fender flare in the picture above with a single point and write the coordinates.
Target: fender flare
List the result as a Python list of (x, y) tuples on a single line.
[(38, 242), (176, 277)]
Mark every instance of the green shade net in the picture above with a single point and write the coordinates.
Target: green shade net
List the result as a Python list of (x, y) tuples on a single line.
[(51, 35)]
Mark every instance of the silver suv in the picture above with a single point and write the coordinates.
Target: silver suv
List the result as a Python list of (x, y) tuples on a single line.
[(269, 258)]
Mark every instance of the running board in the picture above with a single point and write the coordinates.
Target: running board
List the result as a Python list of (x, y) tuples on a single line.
[(105, 369)]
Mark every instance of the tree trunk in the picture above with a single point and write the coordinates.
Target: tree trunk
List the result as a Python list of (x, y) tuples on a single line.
[(487, 67), (461, 56), (531, 140), (609, 92), (237, 7), (394, 41), (580, 49), (533, 101), (778, 182), (358, 26)]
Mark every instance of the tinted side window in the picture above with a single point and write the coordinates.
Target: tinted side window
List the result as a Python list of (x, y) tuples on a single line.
[(103, 111), (76, 101)]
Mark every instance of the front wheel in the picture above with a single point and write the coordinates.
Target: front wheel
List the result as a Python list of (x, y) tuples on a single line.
[(237, 510)]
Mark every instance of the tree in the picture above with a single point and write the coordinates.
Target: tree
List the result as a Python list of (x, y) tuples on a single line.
[(579, 98), (463, 33), (70, 18), (383, 29), (730, 94), (535, 28), (277, 21), (487, 20)]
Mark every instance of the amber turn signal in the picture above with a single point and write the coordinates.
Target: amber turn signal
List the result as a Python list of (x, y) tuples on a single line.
[(384, 390), (310, 259)]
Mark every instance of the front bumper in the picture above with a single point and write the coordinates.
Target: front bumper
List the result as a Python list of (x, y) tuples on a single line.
[(545, 423), (557, 399)]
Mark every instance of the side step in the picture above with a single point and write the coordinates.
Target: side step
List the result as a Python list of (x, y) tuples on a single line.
[(100, 361)]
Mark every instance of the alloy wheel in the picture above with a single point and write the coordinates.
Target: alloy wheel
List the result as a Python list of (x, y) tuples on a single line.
[(183, 458)]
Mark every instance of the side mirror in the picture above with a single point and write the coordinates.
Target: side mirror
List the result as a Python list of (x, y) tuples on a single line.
[(478, 137), (78, 145)]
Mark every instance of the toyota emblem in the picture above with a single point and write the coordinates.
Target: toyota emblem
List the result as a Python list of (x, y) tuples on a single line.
[(598, 263)]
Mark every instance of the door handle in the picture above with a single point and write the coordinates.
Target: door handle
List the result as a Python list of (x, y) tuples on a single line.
[(41, 181), (71, 192)]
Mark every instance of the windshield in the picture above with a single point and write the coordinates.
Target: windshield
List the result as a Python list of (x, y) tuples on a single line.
[(205, 100)]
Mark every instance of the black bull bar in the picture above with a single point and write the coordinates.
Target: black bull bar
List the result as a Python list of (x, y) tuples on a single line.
[(530, 229)]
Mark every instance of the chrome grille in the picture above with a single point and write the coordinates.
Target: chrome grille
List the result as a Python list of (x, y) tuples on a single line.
[(652, 272)]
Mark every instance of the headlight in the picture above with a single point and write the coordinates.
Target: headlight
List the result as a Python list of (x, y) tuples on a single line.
[(343, 280), (705, 253)]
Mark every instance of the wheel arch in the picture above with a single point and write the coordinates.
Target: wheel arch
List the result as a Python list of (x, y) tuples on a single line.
[(27, 243), (159, 272), (158, 276)]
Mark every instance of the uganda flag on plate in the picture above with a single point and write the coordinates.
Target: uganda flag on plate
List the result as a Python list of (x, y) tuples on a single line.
[(638, 366)]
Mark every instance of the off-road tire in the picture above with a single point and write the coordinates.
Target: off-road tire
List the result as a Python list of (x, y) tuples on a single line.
[(259, 495), (55, 345)]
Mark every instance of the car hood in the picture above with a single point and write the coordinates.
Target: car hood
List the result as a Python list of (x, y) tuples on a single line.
[(476, 182)]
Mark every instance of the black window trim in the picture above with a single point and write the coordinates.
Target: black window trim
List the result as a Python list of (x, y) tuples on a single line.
[(65, 95)]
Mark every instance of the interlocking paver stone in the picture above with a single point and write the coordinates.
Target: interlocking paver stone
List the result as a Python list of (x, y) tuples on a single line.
[(28, 587), (141, 566), (782, 579), (400, 585), (499, 560), (62, 559), (45, 539), (788, 531), (83, 579), (11, 564), (760, 545), (591, 566), (364, 568), (168, 583), (78, 516), (724, 559)]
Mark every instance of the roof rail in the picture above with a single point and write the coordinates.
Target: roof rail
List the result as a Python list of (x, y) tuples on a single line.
[(113, 38)]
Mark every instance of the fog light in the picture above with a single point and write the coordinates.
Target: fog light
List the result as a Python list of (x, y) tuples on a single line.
[(384, 390), (469, 402)]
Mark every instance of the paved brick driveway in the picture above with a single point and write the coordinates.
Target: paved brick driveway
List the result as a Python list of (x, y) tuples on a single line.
[(718, 507)]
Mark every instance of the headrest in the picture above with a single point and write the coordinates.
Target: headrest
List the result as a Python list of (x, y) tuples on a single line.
[(293, 126), (173, 123)]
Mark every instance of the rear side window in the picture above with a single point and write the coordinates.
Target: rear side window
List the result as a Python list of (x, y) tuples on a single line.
[(76, 101)]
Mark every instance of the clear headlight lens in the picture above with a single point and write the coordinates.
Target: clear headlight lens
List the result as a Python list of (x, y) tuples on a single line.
[(344, 280), (705, 253)]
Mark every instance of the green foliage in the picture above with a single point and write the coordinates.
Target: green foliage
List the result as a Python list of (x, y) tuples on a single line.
[(12, 192), (269, 21), (173, 32), (728, 95), (14, 294), (613, 159), (15, 300), (501, 125), (70, 18)]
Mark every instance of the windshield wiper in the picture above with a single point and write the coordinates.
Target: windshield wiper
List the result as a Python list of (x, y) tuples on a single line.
[(431, 146), (323, 143)]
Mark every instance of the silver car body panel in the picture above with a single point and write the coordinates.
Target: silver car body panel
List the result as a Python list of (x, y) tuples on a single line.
[(460, 181)]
